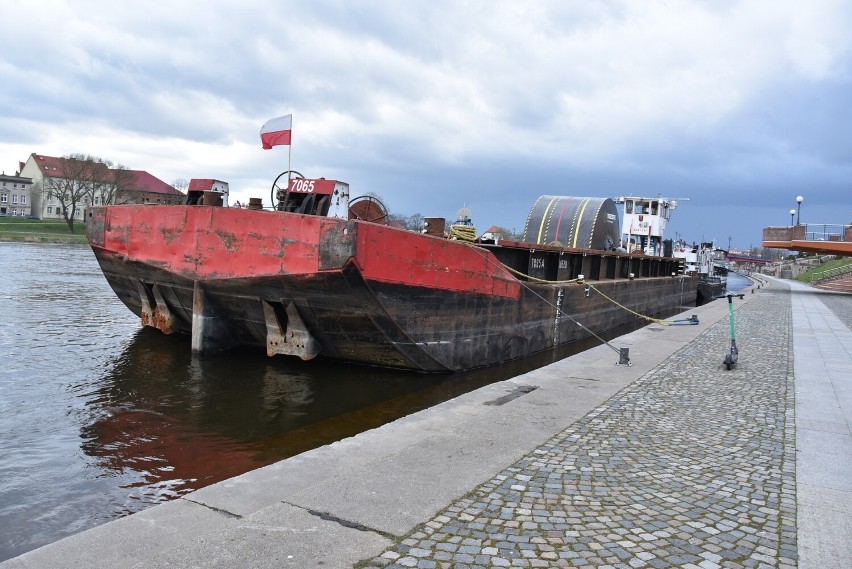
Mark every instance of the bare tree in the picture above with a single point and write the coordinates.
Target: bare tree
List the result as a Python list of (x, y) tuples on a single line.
[(122, 184), (397, 220), (414, 222), (74, 183), (181, 185)]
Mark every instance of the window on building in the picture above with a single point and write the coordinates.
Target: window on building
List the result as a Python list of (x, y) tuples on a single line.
[(23, 200), (4, 198), (15, 212), (49, 209), (14, 198)]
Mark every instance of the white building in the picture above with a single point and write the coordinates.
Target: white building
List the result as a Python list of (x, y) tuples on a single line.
[(47, 171), (15, 195)]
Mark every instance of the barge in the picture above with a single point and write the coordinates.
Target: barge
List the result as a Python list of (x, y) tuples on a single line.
[(320, 276)]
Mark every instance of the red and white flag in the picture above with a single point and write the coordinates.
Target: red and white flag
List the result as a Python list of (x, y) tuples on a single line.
[(276, 132)]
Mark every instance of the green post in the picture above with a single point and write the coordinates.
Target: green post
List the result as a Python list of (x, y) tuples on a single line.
[(731, 318), (731, 359)]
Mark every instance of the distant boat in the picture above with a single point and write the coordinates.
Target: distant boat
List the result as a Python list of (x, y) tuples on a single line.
[(704, 260)]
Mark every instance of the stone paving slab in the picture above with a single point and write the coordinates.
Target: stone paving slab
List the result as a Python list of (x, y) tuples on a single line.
[(692, 465), (823, 339)]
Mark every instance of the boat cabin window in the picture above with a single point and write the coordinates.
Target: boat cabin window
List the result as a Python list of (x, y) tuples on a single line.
[(654, 208), (628, 206)]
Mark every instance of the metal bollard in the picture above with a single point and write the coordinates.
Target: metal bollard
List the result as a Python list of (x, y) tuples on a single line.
[(624, 357)]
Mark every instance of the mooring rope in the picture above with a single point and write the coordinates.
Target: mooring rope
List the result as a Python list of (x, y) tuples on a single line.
[(466, 233), (615, 302), (534, 279), (659, 321), (558, 309), (592, 287), (574, 320), (488, 259)]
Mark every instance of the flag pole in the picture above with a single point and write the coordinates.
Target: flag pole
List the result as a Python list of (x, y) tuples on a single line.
[(276, 132), (290, 154)]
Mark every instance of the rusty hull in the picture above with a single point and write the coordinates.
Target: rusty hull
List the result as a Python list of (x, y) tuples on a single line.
[(309, 286)]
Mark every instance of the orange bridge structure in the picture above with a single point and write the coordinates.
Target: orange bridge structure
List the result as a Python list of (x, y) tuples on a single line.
[(813, 238)]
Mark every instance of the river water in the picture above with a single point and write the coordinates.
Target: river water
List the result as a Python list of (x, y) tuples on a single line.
[(737, 282), (100, 418)]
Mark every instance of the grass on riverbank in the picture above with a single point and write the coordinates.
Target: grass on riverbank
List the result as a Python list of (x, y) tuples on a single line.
[(817, 273), (40, 230)]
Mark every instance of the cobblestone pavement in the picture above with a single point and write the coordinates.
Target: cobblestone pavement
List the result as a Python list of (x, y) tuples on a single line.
[(690, 466), (840, 304)]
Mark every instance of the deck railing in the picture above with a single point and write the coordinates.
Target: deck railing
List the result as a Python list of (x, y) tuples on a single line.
[(809, 232), (828, 232)]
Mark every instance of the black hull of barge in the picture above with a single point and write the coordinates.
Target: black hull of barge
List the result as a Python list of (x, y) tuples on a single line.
[(380, 323)]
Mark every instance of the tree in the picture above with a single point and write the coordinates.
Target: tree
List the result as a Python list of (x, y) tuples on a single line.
[(75, 183), (414, 222), (117, 191), (181, 185), (396, 220)]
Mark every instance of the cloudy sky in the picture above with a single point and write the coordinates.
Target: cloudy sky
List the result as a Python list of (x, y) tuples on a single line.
[(739, 106)]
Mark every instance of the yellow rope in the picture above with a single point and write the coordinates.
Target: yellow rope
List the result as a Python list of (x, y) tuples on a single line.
[(462, 233), (649, 318), (575, 281), (572, 281)]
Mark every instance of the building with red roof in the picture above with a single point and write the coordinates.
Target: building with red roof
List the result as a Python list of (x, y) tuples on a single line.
[(72, 183), (143, 188), (197, 187)]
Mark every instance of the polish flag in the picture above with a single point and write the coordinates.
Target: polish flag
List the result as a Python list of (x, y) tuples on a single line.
[(276, 132)]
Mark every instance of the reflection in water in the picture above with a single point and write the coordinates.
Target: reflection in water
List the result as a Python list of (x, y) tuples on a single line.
[(167, 423)]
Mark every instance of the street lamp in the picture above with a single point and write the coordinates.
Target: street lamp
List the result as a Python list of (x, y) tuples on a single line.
[(792, 215), (799, 200)]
